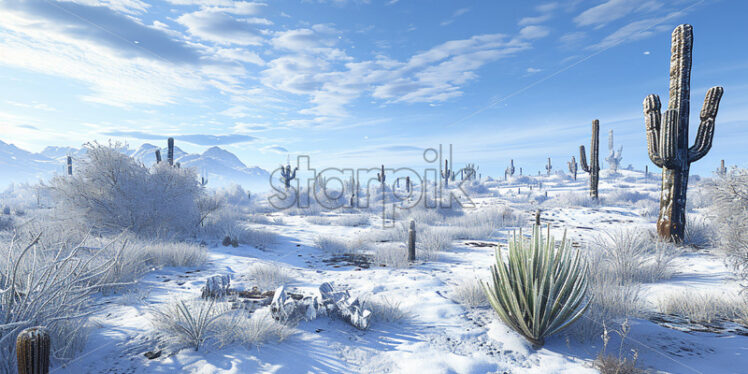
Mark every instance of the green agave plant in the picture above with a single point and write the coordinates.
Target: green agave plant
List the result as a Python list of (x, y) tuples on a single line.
[(541, 289)]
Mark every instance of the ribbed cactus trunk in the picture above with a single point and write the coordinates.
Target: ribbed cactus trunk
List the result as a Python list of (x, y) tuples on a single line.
[(70, 165), (667, 135), (412, 241), (594, 166), (32, 351), (170, 154)]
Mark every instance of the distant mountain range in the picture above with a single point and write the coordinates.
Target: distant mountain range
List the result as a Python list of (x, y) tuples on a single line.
[(221, 166)]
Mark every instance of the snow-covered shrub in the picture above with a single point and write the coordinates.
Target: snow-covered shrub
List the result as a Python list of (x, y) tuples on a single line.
[(699, 197), (336, 246), (610, 302), (705, 307), (268, 276), (632, 256), (647, 208), (699, 232), (114, 192), (571, 199), (391, 254), (518, 291), (259, 219), (234, 195), (382, 308), (483, 223), (730, 212), (624, 197), (318, 220), (432, 240), (469, 292), (48, 286), (187, 323), (249, 330), (228, 222), (352, 220)]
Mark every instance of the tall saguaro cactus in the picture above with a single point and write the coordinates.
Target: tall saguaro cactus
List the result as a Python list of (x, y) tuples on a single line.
[(573, 167), (667, 135), (594, 166), (510, 170), (170, 154), (287, 175), (614, 157), (548, 167), (446, 173), (70, 165), (32, 351)]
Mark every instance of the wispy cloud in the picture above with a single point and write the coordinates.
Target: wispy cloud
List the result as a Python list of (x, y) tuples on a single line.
[(457, 13)]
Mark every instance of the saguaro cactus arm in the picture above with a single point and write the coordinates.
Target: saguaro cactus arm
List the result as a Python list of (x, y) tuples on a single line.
[(705, 134), (652, 119), (583, 159)]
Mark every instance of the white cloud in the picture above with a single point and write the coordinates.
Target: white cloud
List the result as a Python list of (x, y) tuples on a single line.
[(534, 20), (533, 32), (220, 26), (637, 30), (612, 10), (533, 70)]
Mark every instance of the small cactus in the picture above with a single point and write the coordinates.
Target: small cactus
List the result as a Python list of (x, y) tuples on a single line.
[(573, 167), (594, 167), (407, 184), (381, 177), (170, 152), (158, 156), (722, 169), (412, 241), (70, 165), (32, 351), (548, 167), (447, 173)]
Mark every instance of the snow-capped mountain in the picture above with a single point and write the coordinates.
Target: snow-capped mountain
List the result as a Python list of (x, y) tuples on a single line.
[(18, 165), (221, 167)]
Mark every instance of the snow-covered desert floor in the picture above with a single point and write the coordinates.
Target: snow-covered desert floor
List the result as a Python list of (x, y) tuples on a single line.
[(436, 333)]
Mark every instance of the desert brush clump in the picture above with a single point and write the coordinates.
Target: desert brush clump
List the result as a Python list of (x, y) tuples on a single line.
[(730, 217), (541, 288), (112, 192)]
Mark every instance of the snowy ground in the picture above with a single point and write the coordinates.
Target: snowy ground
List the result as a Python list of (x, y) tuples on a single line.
[(439, 335)]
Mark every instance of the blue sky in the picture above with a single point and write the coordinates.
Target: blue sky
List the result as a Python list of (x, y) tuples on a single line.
[(360, 83)]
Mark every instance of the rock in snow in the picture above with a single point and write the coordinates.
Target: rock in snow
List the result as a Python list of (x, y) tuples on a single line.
[(330, 302)]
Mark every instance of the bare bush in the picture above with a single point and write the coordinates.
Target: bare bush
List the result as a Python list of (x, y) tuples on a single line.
[(632, 256), (468, 292), (335, 246), (730, 211), (187, 323), (382, 308), (699, 232), (113, 192), (268, 276), (705, 307), (50, 287), (249, 330), (391, 254), (353, 220)]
